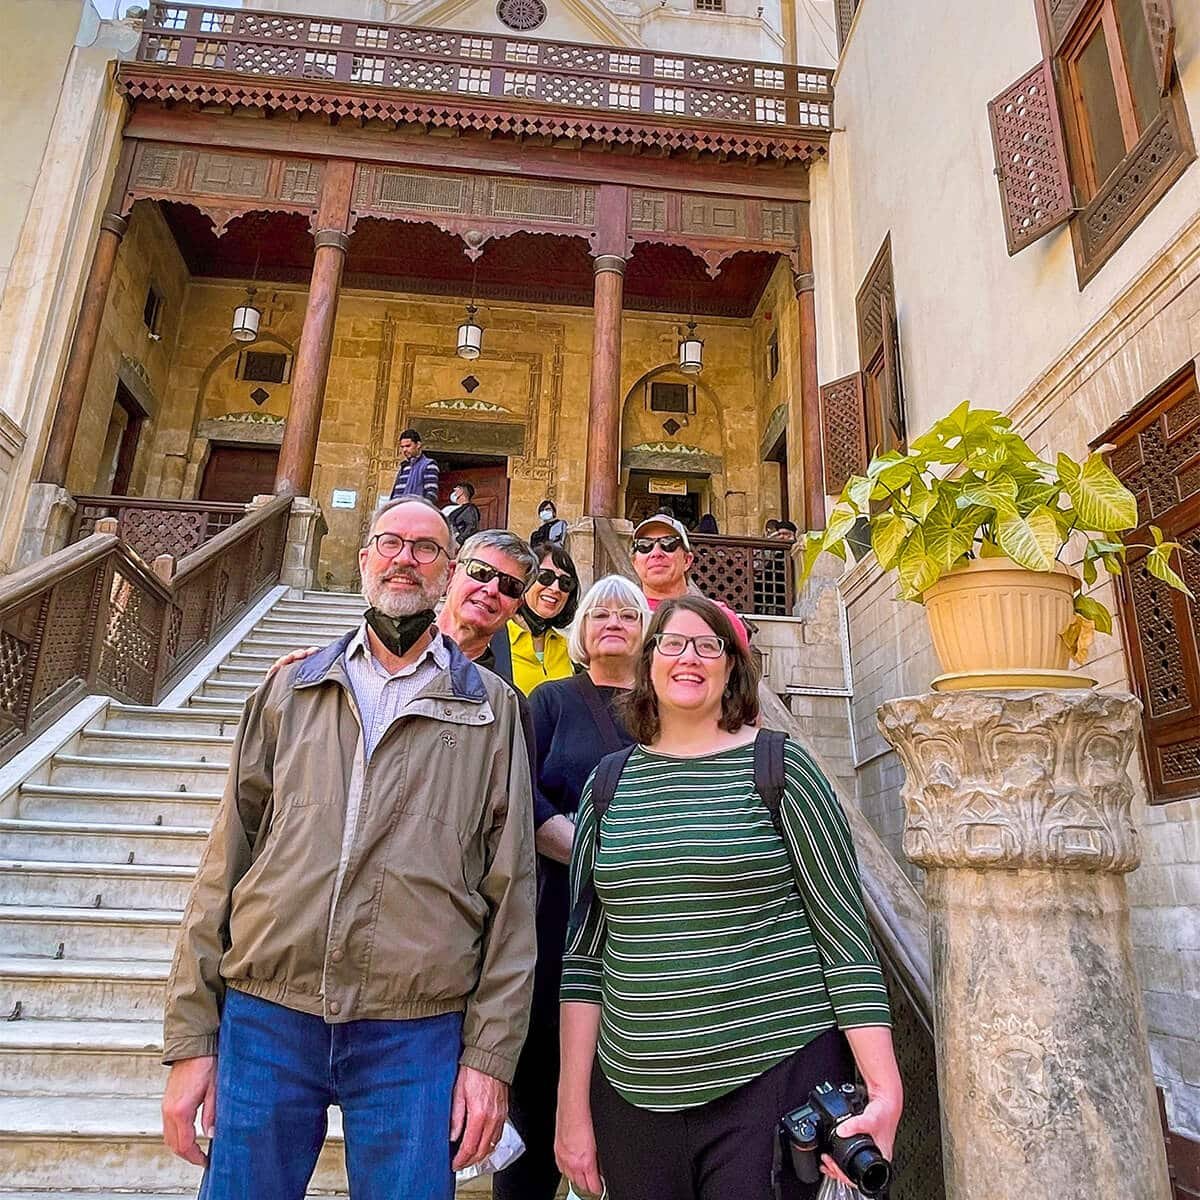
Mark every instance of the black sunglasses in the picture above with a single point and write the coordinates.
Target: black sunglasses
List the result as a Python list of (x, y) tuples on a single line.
[(669, 544), (508, 585), (548, 578)]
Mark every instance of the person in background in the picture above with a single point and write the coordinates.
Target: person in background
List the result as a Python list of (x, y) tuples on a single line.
[(662, 556), (418, 474), (786, 532), (462, 514), (531, 649), (575, 725), (398, 987), (551, 529), (719, 963), (771, 528), (707, 525)]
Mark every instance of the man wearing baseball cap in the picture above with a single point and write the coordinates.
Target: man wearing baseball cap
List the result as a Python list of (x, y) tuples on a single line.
[(662, 556)]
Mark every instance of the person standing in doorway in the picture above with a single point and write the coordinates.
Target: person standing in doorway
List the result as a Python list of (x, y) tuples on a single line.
[(361, 928), (462, 512), (418, 474), (662, 557), (552, 527)]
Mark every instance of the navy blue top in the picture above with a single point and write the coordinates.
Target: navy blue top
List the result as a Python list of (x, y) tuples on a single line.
[(568, 745)]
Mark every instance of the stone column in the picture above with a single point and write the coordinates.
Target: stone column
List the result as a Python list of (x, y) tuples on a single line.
[(603, 470), (805, 382), (1017, 806), (298, 454)]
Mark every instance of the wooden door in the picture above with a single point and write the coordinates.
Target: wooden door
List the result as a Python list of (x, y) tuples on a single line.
[(491, 491), (236, 474)]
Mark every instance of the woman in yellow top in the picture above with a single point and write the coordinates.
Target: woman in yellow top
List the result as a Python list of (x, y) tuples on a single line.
[(533, 642)]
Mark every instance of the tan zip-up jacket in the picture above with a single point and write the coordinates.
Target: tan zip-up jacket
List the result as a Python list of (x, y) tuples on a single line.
[(435, 908)]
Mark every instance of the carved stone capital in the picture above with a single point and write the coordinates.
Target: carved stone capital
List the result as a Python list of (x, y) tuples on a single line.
[(331, 237), (1016, 779)]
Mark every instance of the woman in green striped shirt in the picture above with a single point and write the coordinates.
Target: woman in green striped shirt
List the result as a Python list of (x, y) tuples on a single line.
[(715, 971)]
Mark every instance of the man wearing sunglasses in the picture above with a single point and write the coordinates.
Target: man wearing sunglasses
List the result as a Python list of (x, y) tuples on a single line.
[(361, 929), (662, 557)]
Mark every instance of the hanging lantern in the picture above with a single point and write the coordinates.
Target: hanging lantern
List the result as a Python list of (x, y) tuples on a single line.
[(246, 318), (691, 351), (470, 335)]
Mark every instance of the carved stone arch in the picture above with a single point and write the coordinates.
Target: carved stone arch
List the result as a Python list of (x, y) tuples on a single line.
[(699, 447)]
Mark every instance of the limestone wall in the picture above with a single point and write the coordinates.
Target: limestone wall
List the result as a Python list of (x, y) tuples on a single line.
[(1015, 334), (394, 365)]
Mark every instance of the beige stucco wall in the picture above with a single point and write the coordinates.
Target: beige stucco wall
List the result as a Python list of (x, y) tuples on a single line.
[(913, 157)]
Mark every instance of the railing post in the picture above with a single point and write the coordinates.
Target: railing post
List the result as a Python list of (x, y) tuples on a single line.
[(1017, 805)]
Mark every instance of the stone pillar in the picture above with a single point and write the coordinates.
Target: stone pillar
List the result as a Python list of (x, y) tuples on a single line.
[(1017, 806), (298, 453), (805, 382), (603, 470), (302, 547)]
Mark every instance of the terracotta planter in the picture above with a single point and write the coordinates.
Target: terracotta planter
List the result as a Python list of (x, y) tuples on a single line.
[(997, 625)]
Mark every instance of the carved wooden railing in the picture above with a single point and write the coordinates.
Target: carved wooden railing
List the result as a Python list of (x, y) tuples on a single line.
[(508, 67), (152, 527), (900, 924), (94, 617), (751, 575)]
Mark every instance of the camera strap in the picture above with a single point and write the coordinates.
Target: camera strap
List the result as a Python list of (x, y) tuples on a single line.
[(769, 782)]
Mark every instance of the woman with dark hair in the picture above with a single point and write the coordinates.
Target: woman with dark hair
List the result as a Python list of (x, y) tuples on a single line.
[(532, 644), (719, 964), (552, 528)]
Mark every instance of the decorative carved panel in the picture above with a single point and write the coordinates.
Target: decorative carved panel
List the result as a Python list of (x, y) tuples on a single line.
[(1157, 456), (844, 11), (1031, 158), (751, 575), (558, 203), (1062, 16), (647, 210), (230, 175), (843, 430), (157, 167), (876, 294), (713, 216), (779, 222), (394, 190)]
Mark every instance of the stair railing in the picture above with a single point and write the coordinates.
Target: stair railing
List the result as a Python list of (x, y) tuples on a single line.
[(96, 617)]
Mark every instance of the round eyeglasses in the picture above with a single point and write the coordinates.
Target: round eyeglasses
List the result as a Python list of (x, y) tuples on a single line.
[(390, 545), (627, 616), (674, 644)]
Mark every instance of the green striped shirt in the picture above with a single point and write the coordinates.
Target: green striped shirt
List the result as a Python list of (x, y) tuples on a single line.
[(714, 951)]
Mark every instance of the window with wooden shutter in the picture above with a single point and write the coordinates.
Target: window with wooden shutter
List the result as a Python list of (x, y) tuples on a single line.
[(844, 11), (879, 355), (843, 431), (1157, 456), (1096, 132)]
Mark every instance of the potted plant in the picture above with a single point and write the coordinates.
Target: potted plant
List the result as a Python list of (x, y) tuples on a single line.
[(976, 526)]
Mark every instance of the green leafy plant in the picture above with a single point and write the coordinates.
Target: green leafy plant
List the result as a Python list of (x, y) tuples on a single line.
[(972, 487)]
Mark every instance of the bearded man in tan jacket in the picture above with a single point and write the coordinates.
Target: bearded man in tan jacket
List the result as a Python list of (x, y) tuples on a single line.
[(360, 932)]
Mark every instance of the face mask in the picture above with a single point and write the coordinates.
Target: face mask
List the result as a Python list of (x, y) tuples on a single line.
[(546, 515)]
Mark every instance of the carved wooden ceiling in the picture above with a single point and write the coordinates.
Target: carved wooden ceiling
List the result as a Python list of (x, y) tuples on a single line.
[(418, 257)]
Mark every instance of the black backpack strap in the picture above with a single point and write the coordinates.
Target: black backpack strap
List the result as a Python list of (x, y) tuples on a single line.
[(769, 772), (604, 787), (605, 725)]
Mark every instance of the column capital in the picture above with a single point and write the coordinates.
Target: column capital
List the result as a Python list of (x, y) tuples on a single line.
[(1005, 780), (803, 281), (114, 223), (336, 238), (608, 262)]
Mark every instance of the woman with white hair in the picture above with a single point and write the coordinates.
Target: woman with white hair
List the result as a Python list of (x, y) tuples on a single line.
[(575, 727)]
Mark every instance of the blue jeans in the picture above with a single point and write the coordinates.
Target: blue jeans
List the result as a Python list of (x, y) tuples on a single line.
[(278, 1071)]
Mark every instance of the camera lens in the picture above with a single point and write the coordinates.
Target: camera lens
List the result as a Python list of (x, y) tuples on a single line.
[(869, 1171)]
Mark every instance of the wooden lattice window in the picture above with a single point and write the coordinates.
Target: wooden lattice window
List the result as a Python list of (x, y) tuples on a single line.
[(152, 311), (879, 355), (843, 431), (1157, 456), (264, 366), (1095, 132), (844, 11), (712, 6), (671, 398)]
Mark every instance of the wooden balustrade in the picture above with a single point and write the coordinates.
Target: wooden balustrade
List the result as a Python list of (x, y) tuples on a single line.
[(751, 575), (151, 527), (509, 67), (94, 617)]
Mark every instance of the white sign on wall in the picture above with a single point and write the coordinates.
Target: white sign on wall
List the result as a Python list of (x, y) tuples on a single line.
[(344, 498)]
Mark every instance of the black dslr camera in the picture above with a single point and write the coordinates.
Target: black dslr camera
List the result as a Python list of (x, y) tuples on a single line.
[(812, 1131)]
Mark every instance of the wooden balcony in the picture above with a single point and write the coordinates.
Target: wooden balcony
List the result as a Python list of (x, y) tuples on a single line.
[(521, 74)]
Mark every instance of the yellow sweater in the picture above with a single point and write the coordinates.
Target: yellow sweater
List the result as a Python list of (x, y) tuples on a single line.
[(528, 672)]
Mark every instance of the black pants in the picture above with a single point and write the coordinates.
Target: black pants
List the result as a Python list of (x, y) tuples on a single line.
[(722, 1150)]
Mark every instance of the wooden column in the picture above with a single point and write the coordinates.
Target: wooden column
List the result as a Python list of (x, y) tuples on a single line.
[(298, 453), (805, 376), (603, 473), (87, 328)]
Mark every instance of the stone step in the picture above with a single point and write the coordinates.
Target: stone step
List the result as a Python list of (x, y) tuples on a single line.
[(349, 612), (120, 743), (216, 710), (65, 1142), (89, 1057), (135, 719), (122, 806), (315, 627), (161, 774), (80, 885), (225, 692), (145, 934), (273, 648), (87, 841), (65, 989), (232, 672)]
